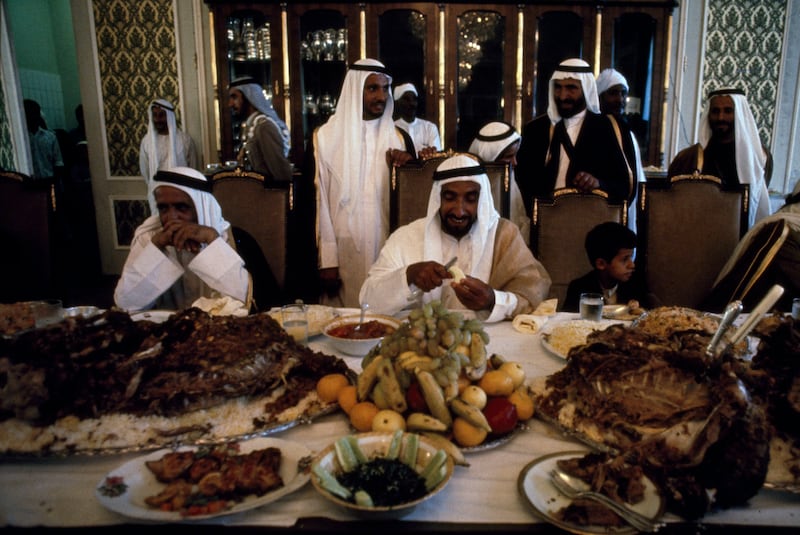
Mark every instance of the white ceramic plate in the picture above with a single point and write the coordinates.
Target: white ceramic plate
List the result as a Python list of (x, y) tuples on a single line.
[(141, 483), (318, 317), (578, 324), (534, 485)]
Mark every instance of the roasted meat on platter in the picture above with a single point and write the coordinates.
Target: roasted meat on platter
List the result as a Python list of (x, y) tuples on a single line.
[(661, 403), (87, 369)]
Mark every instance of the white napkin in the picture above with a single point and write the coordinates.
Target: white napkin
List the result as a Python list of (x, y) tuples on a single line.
[(221, 306), (529, 323)]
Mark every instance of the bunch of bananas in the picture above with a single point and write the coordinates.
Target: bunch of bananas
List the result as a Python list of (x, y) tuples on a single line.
[(432, 348)]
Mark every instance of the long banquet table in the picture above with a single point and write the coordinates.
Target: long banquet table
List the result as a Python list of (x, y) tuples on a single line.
[(59, 492)]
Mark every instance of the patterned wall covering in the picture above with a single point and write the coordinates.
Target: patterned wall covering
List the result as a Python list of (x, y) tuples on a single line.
[(7, 159), (137, 61), (743, 49)]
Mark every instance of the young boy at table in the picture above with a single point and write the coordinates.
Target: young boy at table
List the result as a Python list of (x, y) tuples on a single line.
[(610, 247)]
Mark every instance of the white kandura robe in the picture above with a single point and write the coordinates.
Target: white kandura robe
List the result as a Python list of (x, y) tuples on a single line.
[(424, 133), (514, 268), (353, 230), (156, 279)]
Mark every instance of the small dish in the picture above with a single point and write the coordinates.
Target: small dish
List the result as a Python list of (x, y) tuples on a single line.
[(318, 316), (374, 445), (124, 489), (534, 485), (357, 347)]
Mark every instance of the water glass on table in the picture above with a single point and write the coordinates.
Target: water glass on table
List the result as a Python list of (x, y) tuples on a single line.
[(294, 320), (591, 306)]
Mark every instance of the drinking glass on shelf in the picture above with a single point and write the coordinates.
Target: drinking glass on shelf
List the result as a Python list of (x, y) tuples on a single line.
[(294, 319), (591, 306)]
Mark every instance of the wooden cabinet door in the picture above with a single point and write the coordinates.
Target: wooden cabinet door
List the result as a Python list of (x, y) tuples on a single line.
[(405, 37), (248, 43), (323, 39), (480, 58), (635, 42)]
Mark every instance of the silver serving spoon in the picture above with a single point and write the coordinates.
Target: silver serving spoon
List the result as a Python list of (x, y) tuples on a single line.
[(364, 308), (732, 311)]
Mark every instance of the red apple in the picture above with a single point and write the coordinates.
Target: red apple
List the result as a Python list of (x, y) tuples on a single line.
[(415, 399), (501, 415)]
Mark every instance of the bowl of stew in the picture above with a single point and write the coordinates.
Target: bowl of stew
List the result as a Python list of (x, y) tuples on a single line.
[(347, 339), (395, 483)]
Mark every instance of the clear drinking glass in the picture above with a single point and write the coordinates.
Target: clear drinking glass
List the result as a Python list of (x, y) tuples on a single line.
[(796, 308), (294, 319), (591, 306), (47, 312)]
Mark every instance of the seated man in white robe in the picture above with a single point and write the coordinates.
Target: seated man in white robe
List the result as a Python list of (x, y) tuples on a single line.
[(503, 278), (184, 252)]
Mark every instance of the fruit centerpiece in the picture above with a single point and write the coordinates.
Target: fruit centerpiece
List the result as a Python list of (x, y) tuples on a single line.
[(433, 375)]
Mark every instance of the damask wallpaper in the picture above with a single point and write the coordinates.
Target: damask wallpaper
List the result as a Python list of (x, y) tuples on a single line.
[(743, 49), (7, 160), (136, 50)]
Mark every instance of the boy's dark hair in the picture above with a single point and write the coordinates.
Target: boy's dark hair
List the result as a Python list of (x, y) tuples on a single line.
[(606, 239)]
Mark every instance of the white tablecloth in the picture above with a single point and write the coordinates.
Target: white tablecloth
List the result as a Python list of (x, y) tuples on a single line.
[(60, 492)]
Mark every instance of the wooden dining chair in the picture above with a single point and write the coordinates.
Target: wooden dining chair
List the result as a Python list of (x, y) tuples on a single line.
[(263, 210), (500, 179), (688, 228), (27, 209), (410, 188), (558, 232)]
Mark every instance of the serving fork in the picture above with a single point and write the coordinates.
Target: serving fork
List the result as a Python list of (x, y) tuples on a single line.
[(565, 485)]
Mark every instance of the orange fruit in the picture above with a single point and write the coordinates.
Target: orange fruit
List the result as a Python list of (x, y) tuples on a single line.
[(496, 383), (465, 434), (328, 386), (362, 414), (523, 402), (347, 398)]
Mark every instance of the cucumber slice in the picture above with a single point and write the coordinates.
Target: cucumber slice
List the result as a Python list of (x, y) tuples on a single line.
[(410, 448), (344, 454), (359, 455), (363, 499), (394, 446), (331, 484)]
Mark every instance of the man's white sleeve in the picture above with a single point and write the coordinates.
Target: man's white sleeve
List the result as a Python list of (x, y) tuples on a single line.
[(147, 274), (221, 267)]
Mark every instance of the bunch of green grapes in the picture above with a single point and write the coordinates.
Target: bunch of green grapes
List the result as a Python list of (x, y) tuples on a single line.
[(436, 340)]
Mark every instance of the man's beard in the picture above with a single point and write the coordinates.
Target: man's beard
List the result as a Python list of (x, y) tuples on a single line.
[(578, 106)]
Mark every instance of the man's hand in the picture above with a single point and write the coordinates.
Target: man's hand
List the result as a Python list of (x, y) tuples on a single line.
[(184, 236), (474, 293), (585, 182), (426, 152), (396, 157), (427, 275), (330, 281)]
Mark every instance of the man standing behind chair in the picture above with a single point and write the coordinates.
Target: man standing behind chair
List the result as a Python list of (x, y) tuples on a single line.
[(264, 137), (504, 279), (572, 145), (730, 149), (182, 252), (424, 134), (498, 142), (45, 152), (165, 145), (612, 91), (352, 154)]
